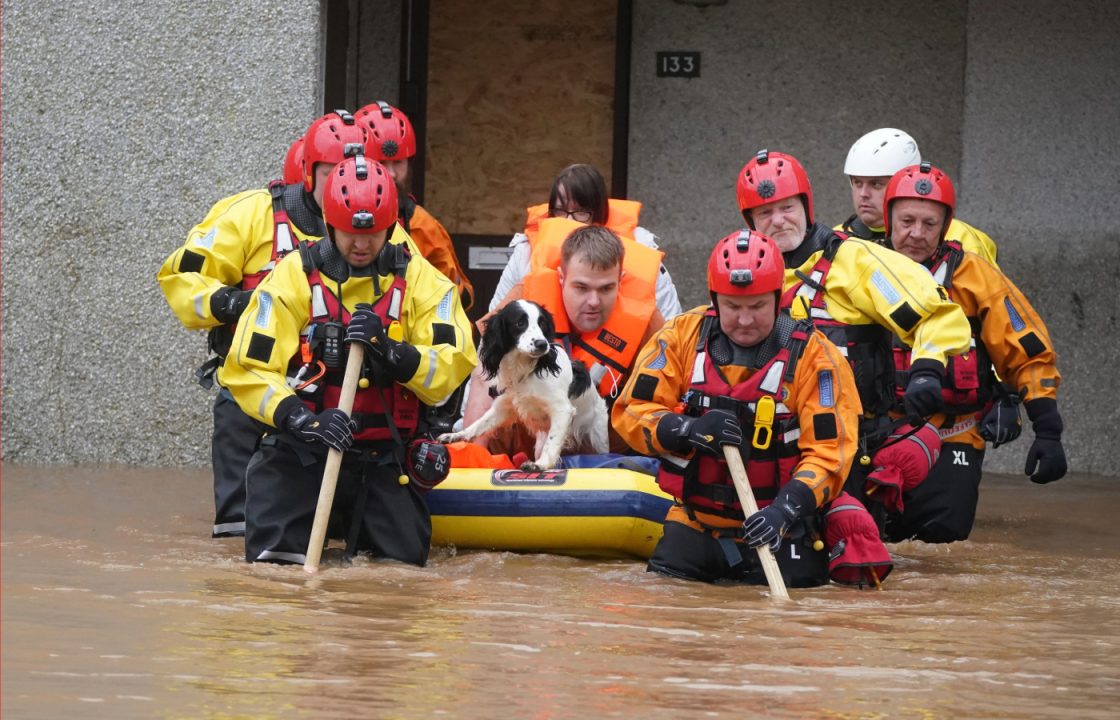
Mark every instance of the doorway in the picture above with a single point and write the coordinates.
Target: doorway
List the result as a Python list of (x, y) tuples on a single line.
[(503, 94)]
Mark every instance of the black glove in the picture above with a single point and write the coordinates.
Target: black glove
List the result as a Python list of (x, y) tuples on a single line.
[(1002, 423), (228, 303), (923, 392), (365, 327), (707, 433), (428, 463), (399, 358), (768, 525), (332, 427), (1046, 460)]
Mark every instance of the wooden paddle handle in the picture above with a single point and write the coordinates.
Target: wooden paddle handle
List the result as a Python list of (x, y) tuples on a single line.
[(750, 507), (334, 463)]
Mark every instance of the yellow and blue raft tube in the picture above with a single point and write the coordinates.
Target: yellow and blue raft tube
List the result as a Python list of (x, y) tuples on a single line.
[(592, 506)]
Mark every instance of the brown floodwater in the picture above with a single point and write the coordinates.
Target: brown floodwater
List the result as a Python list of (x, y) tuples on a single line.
[(117, 604)]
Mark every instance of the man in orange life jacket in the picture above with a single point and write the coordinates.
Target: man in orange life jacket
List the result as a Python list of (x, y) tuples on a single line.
[(601, 293), (208, 282), (391, 141), (286, 367), (1006, 332), (738, 365)]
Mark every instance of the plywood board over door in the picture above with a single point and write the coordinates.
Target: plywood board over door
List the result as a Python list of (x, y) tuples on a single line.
[(516, 91)]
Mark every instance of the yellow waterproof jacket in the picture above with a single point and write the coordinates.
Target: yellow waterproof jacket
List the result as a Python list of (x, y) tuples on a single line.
[(869, 284), (1013, 334), (233, 241), (434, 243), (268, 335), (971, 239), (663, 374)]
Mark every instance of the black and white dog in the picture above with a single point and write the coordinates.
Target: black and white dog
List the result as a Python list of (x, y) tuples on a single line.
[(538, 385)]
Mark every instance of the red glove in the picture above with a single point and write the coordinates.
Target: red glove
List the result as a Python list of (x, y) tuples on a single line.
[(429, 462), (902, 463), (856, 554)]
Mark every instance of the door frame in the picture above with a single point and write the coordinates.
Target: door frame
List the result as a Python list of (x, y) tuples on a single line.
[(415, 24)]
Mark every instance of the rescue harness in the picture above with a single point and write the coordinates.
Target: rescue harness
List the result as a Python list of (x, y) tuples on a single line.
[(703, 484), (970, 382)]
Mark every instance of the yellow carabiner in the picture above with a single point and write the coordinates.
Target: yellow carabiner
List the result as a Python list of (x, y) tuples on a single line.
[(763, 422)]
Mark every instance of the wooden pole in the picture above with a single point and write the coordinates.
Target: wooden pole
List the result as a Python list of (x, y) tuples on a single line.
[(334, 463), (746, 499)]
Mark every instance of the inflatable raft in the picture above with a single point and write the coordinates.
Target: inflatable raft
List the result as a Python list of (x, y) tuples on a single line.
[(594, 512)]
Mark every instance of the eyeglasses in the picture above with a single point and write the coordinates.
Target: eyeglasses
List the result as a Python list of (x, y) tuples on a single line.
[(577, 215)]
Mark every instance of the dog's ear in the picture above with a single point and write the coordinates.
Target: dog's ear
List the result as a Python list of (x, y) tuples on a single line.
[(496, 342), (548, 362), (546, 323), (581, 380)]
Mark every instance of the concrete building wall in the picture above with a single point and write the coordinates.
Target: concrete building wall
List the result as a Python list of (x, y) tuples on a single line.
[(122, 123), (1041, 174), (804, 92)]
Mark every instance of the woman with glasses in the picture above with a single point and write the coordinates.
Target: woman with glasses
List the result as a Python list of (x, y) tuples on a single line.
[(580, 194)]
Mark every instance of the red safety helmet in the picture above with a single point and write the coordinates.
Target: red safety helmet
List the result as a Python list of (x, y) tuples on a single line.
[(389, 134), (293, 163), (360, 197), (745, 263), (330, 139), (921, 182), (769, 177)]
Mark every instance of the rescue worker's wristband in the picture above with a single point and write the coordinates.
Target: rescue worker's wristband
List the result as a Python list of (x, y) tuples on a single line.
[(289, 409), (401, 360), (672, 432), (1046, 421), (227, 304)]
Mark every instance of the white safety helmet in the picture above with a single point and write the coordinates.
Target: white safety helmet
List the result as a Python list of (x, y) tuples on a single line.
[(882, 153)]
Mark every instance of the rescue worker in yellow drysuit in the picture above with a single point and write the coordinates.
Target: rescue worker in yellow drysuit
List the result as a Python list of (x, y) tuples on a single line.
[(208, 282), (858, 293), (391, 141), (285, 370)]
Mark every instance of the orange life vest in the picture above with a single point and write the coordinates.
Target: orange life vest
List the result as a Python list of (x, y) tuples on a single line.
[(609, 351), (622, 218)]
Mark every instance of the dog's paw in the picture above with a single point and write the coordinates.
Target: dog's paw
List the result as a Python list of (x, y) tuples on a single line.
[(450, 437), (531, 467)]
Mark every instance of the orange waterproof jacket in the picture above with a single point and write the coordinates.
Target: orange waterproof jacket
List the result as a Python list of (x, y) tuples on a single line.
[(434, 243), (1009, 328), (827, 421)]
